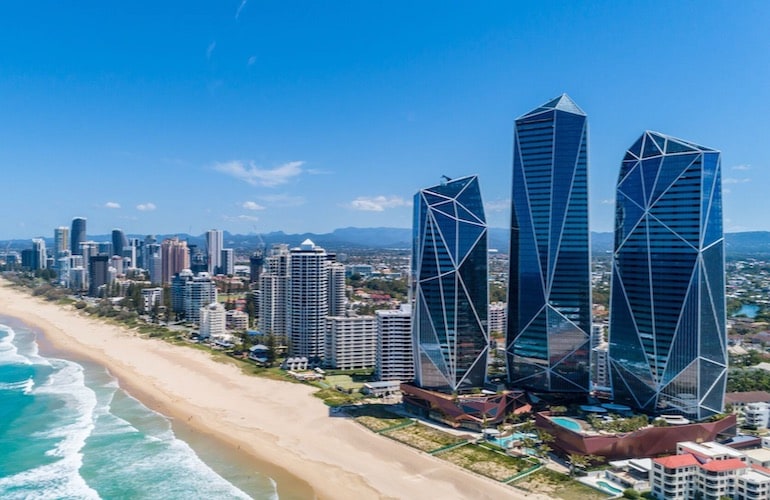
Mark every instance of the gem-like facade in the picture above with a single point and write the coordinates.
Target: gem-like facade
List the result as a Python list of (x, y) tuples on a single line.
[(549, 287), (450, 289), (668, 343)]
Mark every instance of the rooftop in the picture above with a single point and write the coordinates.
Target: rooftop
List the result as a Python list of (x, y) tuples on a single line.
[(747, 397), (724, 465), (676, 461), (709, 449)]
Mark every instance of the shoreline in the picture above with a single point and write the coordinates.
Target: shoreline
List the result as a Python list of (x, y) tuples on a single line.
[(278, 427)]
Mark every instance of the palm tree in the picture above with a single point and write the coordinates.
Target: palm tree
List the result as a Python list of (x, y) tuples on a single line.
[(576, 460)]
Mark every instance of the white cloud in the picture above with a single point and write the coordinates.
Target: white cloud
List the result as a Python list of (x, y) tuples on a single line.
[(112, 204), (608, 202), (146, 207), (240, 8), (377, 203), (252, 205), (732, 180), (210, 49), (270, 177), (252, 60), (498, 205), (740, 167)]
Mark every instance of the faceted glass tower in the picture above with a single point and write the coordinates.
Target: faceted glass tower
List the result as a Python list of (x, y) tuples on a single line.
[(450, 290), (668, 344), (549, 285)]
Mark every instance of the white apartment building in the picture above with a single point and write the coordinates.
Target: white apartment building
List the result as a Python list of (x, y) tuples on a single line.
[(150, 298), (274, 293), (709, 471), (214, 245), (600, 368), (212, 320), (337, 299), (198, 292), (350, 342), (497, 318), (237, 320), (394, 356)]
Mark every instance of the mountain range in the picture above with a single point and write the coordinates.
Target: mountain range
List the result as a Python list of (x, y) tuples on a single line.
[(744, 244)]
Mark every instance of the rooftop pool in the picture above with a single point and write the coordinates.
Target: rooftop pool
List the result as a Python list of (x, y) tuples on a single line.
[(567, 422)]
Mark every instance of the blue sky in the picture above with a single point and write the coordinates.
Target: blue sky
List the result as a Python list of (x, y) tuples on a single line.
[(162, 117)]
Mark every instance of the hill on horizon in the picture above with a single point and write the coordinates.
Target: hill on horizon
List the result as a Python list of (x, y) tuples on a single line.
[(742, 244)]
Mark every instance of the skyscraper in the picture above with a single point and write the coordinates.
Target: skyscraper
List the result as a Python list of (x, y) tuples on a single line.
[(77, 235), (214, 245), (667, 308), (119, 242), (174, 258), (549, 287), (308, 300), (61, 240), (274, 287), (449, 282)]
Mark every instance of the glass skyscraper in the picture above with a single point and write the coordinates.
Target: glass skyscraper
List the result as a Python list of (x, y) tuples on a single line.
[(450, 289), (549, 287), (668, 344)]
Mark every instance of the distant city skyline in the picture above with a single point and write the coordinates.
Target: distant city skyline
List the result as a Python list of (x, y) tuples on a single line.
[(256, 117)]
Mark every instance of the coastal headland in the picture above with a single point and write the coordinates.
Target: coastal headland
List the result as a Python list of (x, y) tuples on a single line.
[(278, 426)]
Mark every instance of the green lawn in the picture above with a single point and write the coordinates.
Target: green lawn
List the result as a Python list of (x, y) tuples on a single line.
[(486, 462), (556, 485), (423, 437)]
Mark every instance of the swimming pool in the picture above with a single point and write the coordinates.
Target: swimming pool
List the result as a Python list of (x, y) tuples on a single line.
[(569, 423), (505, 442), (608, 487)]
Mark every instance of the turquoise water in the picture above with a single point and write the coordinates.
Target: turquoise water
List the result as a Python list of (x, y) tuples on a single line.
[(748, 310), (608, 487), (567, 422), (68, 431), (503, 442)]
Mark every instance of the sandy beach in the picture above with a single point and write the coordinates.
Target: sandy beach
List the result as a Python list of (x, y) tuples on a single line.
[(280, 426)]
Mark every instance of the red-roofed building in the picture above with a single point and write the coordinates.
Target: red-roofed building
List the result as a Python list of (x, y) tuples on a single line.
[(712, 472)]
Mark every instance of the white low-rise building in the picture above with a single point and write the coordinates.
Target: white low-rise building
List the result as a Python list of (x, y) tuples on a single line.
[(237, 320), (709, 471)]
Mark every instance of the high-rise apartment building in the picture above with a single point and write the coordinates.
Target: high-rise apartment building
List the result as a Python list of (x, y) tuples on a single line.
[(178, 285), (449, 281), (198, 292), (61, 240), (549, 286), (77, 235), (214, 245), (98, 273), (119, 242), (337, 299), (174, 258), (668, 343), (227, 260), (274, 293), (350, 342), (308, 300), (394, 355), (39, 254)]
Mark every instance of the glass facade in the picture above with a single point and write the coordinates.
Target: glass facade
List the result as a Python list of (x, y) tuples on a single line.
[(549, 287), (450, 289), (668, 342)]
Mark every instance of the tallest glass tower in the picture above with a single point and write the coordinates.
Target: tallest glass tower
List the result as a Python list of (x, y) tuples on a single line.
[(549, 286)]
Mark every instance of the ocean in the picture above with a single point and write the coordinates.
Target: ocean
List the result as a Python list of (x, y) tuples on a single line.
[(68, 431)]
